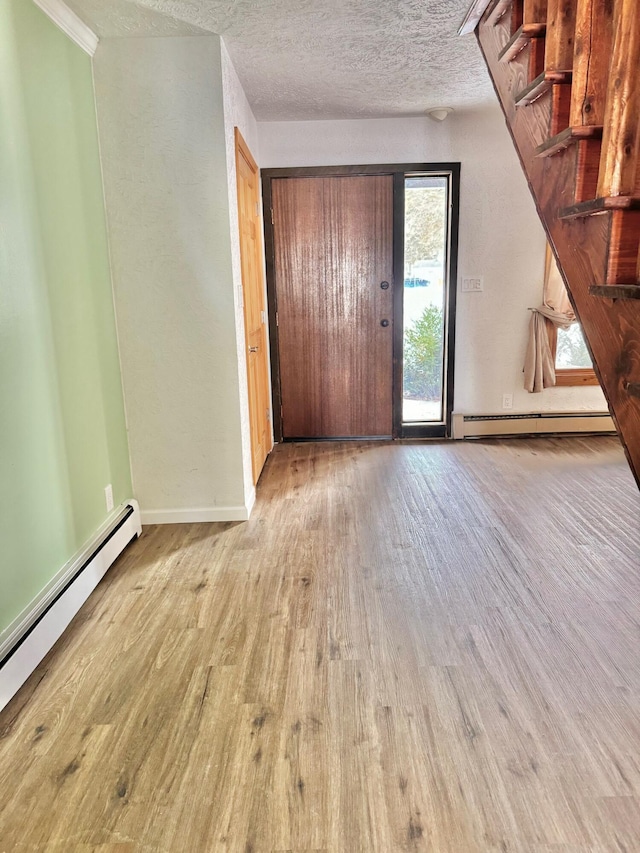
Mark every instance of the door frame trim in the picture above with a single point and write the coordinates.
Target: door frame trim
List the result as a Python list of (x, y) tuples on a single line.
[(242, 150), (398, 171)]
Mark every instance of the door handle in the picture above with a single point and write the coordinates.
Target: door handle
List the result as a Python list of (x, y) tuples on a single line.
[(384, 323), (253, 349)]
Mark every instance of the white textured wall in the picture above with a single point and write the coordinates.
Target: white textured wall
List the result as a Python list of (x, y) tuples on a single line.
[(238, 113), (162, 136), (501, 238)]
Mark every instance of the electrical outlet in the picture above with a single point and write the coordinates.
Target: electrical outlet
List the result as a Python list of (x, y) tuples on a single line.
[(108, 497), (507, 401), (473, 285)]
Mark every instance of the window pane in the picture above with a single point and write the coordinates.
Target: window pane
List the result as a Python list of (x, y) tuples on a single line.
[(424, 290), (572, 351)]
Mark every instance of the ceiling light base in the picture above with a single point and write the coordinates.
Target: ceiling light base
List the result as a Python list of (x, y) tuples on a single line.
[(439, 113)]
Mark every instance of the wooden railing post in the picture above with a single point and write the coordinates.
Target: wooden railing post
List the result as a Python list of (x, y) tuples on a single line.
[(534, 12), (621, 136), (517, 10), (561, 23), (594, 29)]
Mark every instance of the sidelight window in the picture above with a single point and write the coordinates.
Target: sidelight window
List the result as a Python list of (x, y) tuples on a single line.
[(426, 206)]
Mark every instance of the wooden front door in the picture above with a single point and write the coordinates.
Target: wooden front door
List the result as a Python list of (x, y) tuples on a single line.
[(255, 308), (333, 242)]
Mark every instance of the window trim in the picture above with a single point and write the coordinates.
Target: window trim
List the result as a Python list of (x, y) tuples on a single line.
[(576, 376), (451, 171)]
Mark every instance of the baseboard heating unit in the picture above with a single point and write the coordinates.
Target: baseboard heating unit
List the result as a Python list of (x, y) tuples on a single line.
[(24, 644), (540, 423)]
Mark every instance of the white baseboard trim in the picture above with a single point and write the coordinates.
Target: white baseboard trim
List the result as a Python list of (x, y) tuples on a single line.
[(197, 515), (251, 501), (34, 632), (539, 423), (70, 24)]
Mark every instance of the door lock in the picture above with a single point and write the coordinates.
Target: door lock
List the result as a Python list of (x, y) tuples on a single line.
[(384, 285), (384, 323)]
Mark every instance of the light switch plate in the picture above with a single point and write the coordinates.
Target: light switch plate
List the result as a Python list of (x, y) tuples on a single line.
[(473, 285)]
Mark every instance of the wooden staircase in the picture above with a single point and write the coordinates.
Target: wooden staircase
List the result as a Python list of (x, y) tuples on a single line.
[(567, 74)]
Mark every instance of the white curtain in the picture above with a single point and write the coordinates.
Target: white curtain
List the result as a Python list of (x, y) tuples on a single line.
[(539, 364)]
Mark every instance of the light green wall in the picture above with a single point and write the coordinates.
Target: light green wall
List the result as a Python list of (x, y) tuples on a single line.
[(62, 429)]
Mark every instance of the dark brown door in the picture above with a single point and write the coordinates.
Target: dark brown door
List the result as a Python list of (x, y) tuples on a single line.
[(334, 282)]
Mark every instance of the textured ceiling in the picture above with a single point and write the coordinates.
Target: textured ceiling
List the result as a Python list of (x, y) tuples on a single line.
[(315, 59), (125, 18)]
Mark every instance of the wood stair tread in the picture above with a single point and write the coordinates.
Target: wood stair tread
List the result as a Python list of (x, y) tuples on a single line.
[(568, 137), (520, 39), (600, 205), (616, 291), (540, 85)]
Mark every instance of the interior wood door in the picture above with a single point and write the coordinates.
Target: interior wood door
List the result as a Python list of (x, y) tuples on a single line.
[(255, 307), (333, 244)]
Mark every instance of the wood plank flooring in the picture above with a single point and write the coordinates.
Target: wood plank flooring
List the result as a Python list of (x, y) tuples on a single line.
[(408, 648)]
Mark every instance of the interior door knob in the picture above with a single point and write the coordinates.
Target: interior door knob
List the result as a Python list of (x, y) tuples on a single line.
[(384, 323)]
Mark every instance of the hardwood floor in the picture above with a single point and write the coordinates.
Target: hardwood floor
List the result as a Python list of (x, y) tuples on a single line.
[(409, 647)]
